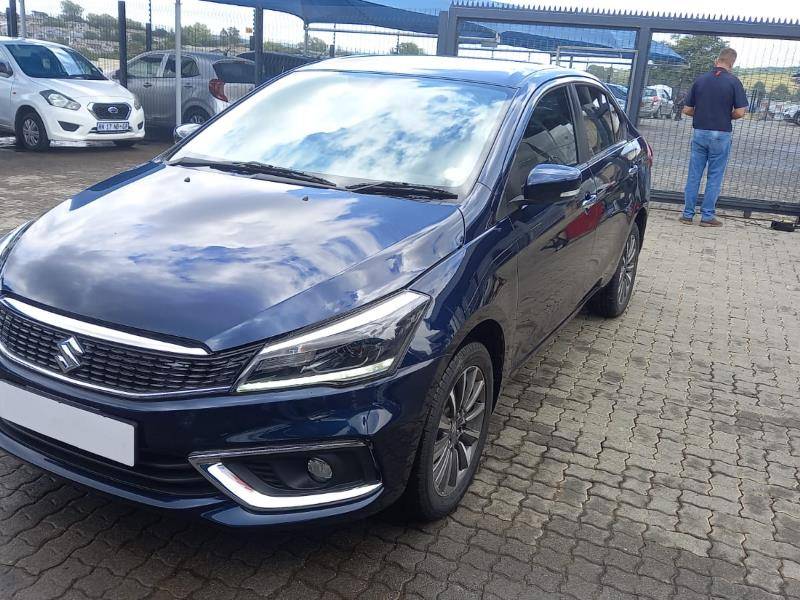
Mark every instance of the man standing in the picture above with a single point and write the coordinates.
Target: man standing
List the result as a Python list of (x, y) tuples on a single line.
[(715, 100)]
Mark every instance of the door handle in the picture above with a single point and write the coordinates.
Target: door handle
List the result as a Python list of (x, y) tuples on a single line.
[(633, 171), (187, 85), (589, 201), (147, 84)]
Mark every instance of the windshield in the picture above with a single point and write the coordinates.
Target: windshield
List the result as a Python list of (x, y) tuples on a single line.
[(352, 127), (53, 62)]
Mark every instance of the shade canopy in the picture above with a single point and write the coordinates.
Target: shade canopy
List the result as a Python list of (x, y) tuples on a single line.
[(421, 16)]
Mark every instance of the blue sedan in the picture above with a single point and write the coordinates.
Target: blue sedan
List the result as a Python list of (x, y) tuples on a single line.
[(307, 308)]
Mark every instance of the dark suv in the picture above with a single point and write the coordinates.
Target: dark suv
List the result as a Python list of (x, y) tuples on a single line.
[(306, 309)]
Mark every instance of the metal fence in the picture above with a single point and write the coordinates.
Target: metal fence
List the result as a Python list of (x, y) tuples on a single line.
[(134, 42), (649, 63), (764, 171)]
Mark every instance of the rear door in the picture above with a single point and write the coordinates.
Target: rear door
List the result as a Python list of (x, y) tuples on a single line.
[(554, 240), (614, 167), (194, 89)]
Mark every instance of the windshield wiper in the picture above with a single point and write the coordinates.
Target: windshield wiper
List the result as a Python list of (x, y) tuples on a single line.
[(400, 188), (254, 168)]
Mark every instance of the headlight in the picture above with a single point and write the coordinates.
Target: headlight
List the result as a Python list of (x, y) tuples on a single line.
[(136, 103), (59, 100), (8, 239), (365, 344)]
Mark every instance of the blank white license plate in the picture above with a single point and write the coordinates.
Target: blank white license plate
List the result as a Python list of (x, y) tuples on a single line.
[(86, 430), (113, 126)]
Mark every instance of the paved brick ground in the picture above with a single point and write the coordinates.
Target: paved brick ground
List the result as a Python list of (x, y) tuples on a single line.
[(653, 456)]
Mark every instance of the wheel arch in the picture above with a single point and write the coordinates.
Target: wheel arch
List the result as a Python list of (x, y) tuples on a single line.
[(22, 110), (641, 223), (490, 333)]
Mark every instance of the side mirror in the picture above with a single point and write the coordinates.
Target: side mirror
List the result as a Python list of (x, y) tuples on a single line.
[(551, 183), (5, 69), (183, 131)]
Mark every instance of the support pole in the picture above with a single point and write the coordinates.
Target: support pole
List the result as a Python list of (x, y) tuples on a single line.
[(11, 15), (122, 34), (258, 44), (639, 79), (178, 65), (305, 39), (148, 28), (23, 22)]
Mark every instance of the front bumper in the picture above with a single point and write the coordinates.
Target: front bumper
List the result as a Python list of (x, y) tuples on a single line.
[(64, 125), (385, 416)]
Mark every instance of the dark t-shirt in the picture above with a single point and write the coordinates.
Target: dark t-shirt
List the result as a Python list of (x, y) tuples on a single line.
[(714, 95)]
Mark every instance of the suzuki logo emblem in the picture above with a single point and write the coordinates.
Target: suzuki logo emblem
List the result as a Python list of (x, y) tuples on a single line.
[(68, 355), (113, 110)]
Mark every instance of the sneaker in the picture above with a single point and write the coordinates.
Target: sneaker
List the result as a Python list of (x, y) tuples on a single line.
[(711, 223), (686, 221)]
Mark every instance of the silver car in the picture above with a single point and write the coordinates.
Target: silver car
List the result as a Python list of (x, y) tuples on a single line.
[(210, 82)]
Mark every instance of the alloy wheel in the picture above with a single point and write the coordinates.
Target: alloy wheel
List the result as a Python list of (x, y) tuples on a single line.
[(459, 431), (628, 270), (197, 119), (30, 133)]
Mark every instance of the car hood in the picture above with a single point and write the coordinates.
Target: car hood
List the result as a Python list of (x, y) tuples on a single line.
[(223, 259), (81, 89)]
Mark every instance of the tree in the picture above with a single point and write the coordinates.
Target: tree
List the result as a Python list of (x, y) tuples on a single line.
[(101, 21), (699, 53), (229, 36), (71, 11), (197, 35), (408, 49), (598, 71), (315, 45)]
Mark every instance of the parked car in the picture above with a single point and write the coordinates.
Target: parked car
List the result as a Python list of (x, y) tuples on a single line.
[(50, 92), (620, 92), (277, 63), (656, 104), (211, 82), (307, 308), (791, 113)]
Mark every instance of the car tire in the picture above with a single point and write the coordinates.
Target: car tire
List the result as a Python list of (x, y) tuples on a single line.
[(195, 115), (31, 133), (612, 300), (125, 143), (450, 449), (797, 118)]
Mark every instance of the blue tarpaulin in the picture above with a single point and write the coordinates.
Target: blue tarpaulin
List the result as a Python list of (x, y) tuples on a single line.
[(421, 16)]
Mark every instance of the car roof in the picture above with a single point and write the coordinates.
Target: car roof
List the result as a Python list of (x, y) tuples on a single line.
[(211, 56), (7, 40), (507, 73)]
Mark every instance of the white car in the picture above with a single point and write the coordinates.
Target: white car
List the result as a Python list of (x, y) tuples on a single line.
[(50, 92), (792, 113)]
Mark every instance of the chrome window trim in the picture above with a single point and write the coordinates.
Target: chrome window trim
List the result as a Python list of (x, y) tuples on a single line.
[(106, 390), (99, 332)]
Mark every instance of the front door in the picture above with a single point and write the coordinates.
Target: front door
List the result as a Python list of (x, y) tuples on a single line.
[(143, 81), (6, 85), (554, 240), (614, 165)]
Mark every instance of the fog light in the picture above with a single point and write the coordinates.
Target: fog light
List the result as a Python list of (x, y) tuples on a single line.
[(319, 470)]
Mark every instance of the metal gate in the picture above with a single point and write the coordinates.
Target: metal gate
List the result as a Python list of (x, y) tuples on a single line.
[(651, 77)]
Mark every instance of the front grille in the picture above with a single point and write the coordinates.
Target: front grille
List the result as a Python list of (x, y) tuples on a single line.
[(153, 472), (103, 111), (117, 367)]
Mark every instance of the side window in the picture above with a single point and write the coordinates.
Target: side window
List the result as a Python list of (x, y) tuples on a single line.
[(549, 138), (146, 66), (600, 118), (189, 68)]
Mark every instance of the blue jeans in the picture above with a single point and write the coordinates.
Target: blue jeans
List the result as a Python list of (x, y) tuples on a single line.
[(712, 149)]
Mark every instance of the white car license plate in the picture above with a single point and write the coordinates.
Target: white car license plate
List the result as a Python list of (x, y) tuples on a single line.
[(113, 126), (86, 430)]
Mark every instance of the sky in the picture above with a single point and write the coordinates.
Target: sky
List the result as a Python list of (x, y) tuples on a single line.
[(286, 28)]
